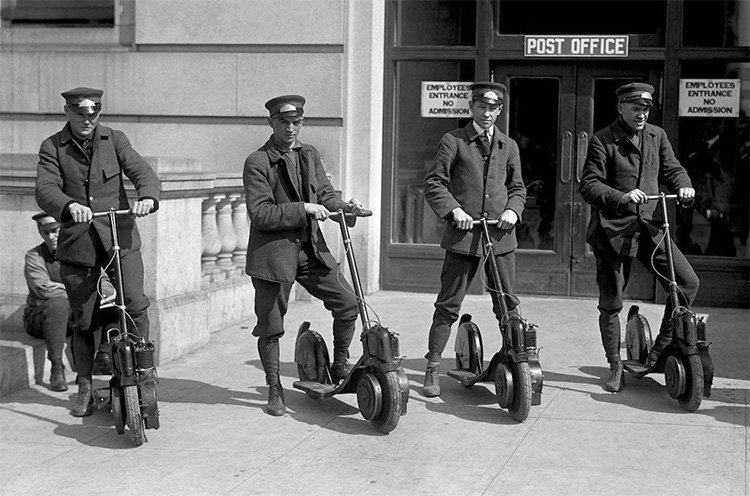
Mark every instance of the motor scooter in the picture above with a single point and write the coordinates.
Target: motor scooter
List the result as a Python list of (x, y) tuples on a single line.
[(378, 377), (515, 369), (685, 362), (132, 388)]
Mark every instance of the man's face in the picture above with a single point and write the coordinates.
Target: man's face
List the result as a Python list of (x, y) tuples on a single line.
[(634, 115), (50, 237), (285, 129), (485, 114), (82, 125)]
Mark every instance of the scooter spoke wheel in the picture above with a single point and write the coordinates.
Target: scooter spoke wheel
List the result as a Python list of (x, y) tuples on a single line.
[(133, 415), (369, 396), (691, 399), (674, 377), (503, 385), (393, 403), (115, 398), (521, 404)]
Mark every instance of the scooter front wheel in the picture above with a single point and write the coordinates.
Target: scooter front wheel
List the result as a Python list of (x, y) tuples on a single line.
[(393, 403), (520, 405), (691, 399), (133, 415), (115, 398)]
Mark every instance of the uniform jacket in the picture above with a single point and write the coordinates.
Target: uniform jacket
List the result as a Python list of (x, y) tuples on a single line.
[(459, 177), (277, 213), (614, 166), (42, 272), (65, 175)]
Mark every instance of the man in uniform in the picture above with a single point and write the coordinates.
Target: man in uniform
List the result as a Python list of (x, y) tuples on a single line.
[(475, 173), (287, 193), (626, 162), (80, 171)]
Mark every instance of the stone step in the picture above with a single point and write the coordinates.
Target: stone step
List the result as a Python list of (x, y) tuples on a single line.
[(23, 362)]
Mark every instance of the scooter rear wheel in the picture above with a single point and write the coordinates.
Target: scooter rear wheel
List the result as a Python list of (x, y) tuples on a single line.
[(393, 403), (691, 399), (521, 403), (133, 415)]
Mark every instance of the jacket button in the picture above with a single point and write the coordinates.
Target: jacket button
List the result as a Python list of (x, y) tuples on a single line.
[(486, 196), (91, 198), (485, 214)]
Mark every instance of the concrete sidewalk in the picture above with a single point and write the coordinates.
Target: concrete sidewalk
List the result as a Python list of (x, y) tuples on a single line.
[(216, 439)]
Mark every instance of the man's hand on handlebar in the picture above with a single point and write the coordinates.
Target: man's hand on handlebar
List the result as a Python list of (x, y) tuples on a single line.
[(461, 220), (507, 219), (686, 195), (316, 211), (80, 213), (141, 208), (635, 196)]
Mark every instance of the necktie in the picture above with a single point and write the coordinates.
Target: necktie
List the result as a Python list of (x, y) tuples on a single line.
[(484, 140)]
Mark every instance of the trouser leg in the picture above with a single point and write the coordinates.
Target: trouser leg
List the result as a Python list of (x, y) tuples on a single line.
[(80, 283), (457, 272), (271, 303), (337, 297), (687, 284), (506, 266), (612, 274), (136, 302)]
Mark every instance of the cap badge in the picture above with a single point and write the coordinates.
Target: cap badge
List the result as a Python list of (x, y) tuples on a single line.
[(491, 95), (288, 107)]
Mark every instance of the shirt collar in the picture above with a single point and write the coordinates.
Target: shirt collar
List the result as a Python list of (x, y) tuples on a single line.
[(480, 130)]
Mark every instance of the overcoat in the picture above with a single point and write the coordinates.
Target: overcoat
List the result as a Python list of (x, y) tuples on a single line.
[(460, 177), (278, 222), (615, 166), (65, 175)]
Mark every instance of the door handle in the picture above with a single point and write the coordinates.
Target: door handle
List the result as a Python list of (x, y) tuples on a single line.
[(566, 159), (582, 144)]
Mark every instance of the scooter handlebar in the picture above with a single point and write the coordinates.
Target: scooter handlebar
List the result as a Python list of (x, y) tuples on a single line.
[(659, 197), (490, 222), (361, 213), (117, 212)]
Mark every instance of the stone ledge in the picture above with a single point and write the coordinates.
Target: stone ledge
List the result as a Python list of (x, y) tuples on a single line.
[(23, 361)]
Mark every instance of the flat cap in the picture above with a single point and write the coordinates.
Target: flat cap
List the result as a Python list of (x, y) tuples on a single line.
[(45, 221), (488, 91), (640, 93), (288, 105), (83, 100)]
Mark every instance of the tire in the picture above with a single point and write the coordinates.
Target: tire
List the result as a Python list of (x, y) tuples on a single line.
[(115, 396), (393, 404), (133, 415), (691, 400), (521, 405)]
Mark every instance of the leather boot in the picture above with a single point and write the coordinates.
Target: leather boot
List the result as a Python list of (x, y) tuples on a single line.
[(341, 367), (431, 387), (102, 362), (57, 380), (616, 380), (276, 405), (84, 405)]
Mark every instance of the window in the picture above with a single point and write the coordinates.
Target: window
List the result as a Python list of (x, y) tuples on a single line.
[(646, 18), (714, 151), (716, 23), (58, 13), (436, 22)]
